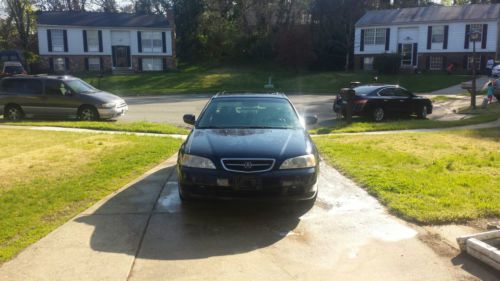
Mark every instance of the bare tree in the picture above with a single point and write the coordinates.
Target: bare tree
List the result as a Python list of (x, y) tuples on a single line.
[(108, 6), (21, 13)]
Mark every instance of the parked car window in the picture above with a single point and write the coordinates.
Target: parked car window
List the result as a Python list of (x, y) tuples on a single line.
[(13, 69), (249, 113), (400, 92), (55, 88), (33, 87), (80, 87), (387, 92), (13, 85), (364, 90)]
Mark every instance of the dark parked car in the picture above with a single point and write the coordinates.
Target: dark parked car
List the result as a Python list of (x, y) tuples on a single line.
[(248, 145), (56, 96), (379, 101)]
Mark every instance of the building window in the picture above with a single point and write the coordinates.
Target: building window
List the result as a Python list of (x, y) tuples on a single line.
[(436, 63), (152, 64), (94, 64), (438, 34), (368, 63), (470, 60), (59, 64), (477, 28), (57, 37), (151, 42), (93, 40), (375, 36)]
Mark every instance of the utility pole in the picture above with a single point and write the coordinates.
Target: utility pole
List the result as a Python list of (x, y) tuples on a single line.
[(474, 37)]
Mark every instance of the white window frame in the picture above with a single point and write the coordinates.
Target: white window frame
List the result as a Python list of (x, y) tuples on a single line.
[(436, 63), (477, 27), (152, 41), (57, 40), (478, 62), (59, 64), (375, 36), (152, 64), (94, 64), (368, 63), (437, 35), (93, 40)]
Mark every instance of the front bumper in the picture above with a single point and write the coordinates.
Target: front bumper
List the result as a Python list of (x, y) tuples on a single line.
[(296, 184), (107, 113)]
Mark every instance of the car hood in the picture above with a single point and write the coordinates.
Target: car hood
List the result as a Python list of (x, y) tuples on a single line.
[(103, 97), (248, 143)]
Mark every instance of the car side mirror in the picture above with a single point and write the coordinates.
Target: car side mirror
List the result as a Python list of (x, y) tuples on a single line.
[(189, 119), (311, 120)]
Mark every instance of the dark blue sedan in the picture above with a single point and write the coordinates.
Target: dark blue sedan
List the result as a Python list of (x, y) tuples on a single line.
[(248, 145)]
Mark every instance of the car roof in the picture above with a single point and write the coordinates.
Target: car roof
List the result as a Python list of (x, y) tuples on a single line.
[(250, 95), (10, 63), (43, 76)]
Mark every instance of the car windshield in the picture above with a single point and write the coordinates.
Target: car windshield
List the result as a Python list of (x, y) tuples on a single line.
[(249, 113), (80, 87), (13, 69)]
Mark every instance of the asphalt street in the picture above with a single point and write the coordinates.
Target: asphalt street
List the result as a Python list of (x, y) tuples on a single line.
[(171, 108), (143, 232)]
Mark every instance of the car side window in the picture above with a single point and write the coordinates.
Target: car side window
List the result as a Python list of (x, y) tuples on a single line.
[(33, 87), (55, 88), (387, 92), (13, 86), (399, 92)]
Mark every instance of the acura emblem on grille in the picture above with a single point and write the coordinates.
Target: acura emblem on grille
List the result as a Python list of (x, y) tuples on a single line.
[(248, 165)]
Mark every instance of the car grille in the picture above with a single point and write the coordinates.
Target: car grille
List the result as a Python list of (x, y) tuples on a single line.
[(249, 165)]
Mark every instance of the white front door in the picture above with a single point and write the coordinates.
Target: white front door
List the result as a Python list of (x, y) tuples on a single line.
[(407, 55)]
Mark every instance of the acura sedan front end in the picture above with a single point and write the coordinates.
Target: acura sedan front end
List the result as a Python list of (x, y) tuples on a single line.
[(248, 146)]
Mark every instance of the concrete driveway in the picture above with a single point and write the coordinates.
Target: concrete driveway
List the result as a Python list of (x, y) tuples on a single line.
[(144, 233)]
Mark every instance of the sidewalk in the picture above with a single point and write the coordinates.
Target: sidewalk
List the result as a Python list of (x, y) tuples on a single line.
[(74, 252), (457, 89)]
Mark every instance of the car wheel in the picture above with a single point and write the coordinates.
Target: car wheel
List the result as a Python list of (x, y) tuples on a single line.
[(88, 113), (422, 112), (13, 113), (378, 114), (184, 196)]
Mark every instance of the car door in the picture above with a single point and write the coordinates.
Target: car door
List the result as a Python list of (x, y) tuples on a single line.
[(59, 101), (27, 93), (403, 101), (388, 100)]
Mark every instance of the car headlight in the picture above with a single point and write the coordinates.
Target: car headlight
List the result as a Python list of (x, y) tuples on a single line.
[(194, 161), (109, 105), (305, 161)]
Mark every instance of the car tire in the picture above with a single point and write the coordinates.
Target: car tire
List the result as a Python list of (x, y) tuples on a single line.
[(185, 198), (88, 113), (13, 112), (422, 112), (378, 114)]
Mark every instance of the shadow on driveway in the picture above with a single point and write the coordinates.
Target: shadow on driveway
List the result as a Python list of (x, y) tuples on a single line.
[(169, 230)]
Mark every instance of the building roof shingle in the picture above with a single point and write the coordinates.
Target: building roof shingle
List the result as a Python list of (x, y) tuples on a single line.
[(435, 13), (100, 19)]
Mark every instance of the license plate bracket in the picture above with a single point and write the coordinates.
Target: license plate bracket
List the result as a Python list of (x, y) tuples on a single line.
[(248, 183)]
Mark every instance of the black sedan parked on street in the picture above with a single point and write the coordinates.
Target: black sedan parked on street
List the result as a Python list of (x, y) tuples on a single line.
[(379, 101), (248, 145)]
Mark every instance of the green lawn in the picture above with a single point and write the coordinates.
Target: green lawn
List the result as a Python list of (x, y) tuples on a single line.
[(492, 113), (48, 177), (424, 177), (203, 79), (139, 126)]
